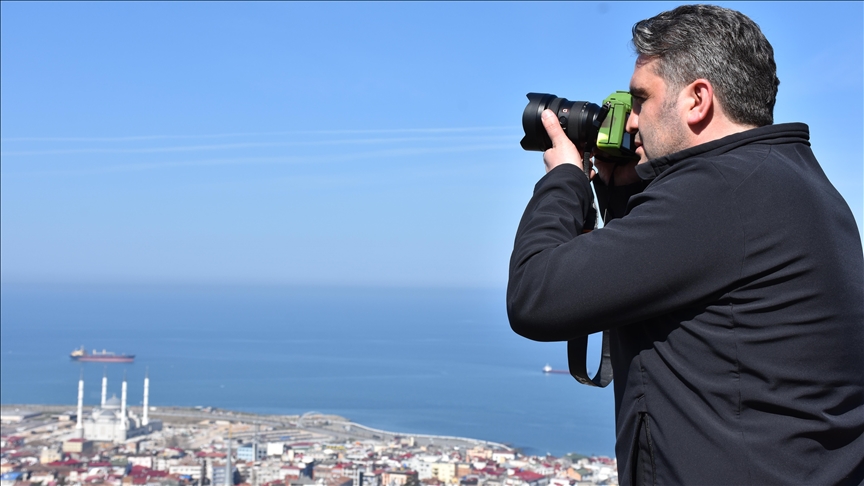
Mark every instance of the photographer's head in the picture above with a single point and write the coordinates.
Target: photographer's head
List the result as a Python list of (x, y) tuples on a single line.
[(703, 72)]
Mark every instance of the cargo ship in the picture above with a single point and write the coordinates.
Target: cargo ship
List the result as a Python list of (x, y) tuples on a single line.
[(81, 354)]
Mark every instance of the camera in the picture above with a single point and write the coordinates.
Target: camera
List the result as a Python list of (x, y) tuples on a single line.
[(589, 127), (586, 124)]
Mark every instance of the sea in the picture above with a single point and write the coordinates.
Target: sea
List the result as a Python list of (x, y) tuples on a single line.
[(410, 360)]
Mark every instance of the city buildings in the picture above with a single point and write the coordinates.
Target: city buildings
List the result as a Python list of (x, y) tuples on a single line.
[(202, 447)]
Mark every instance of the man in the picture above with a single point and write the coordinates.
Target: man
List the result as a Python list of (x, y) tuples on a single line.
[(732, 282)]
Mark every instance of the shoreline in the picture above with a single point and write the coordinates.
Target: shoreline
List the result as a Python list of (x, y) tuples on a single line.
[(190, 446), (315, 423)]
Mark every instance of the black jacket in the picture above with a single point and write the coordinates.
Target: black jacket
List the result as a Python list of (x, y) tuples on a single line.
[(733, 287)]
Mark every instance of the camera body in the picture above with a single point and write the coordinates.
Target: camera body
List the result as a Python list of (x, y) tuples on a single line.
[(586, 124)]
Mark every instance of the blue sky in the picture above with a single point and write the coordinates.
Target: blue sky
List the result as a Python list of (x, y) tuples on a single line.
[(329, 143)]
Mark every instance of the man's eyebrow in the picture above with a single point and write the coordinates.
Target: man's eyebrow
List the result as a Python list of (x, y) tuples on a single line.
[(638, 92)]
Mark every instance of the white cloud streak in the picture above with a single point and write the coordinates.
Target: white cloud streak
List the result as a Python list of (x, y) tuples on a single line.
[(133, 138), (277, 160), (245, 145)]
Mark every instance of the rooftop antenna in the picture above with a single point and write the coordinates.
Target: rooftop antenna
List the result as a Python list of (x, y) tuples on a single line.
[(229, 477), (255, 454), (255, 447)]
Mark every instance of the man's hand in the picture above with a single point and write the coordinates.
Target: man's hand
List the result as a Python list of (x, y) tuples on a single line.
[(563, 151)]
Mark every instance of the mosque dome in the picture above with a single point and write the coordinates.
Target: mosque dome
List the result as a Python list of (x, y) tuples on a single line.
[(112, 403)]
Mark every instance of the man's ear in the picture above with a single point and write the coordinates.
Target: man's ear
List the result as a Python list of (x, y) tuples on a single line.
[(699, 101)]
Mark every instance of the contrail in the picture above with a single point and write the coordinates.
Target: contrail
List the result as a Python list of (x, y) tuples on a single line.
[(254, 134), (281, 160), (196, 148)]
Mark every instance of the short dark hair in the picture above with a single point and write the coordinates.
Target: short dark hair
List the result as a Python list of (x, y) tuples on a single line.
[(720, 45)]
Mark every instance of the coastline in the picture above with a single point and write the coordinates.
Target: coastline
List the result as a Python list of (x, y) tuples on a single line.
[(112, 445), (324, 424)]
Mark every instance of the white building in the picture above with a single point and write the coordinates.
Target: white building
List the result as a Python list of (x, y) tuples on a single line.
[(275, 448), (112, 421), (189, 468)]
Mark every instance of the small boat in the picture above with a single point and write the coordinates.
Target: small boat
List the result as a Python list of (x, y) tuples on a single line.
[(548, 369), (103, 356)]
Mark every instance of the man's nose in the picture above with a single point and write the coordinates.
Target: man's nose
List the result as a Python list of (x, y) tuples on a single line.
[(632, 125)]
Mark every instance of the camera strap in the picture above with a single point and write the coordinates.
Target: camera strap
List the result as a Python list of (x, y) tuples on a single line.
[(586, 164), (577, 350)]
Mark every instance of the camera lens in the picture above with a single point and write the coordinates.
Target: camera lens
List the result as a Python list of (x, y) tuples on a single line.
[(577, 118)]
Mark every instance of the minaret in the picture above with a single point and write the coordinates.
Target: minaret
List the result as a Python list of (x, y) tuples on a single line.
[(79, 425), (104, 386), (144, 416), (123, 419)]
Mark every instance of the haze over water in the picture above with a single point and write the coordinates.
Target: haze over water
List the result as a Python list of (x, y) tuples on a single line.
[(410, 360)]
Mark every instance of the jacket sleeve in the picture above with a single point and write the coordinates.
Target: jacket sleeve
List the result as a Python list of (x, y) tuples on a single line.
[(677, 246)]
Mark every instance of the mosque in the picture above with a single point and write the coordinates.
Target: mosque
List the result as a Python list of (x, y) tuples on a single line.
[(112, 421)]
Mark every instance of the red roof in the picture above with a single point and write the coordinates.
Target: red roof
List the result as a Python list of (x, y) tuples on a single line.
[(528, 476), (141, 472), (218, 455), (17, 453)]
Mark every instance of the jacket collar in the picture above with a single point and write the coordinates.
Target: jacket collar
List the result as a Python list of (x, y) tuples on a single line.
[(771, 134)]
